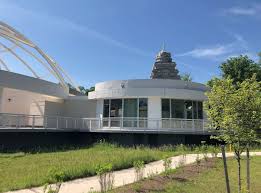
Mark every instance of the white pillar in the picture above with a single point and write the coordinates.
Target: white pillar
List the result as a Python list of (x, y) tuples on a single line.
[(154, 112), (99, 108)]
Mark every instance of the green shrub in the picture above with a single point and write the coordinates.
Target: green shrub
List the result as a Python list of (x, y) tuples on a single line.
[(106, 178), (139, 169), (167, 165)]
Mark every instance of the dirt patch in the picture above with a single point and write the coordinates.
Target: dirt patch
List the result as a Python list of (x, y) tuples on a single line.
[(159, 183)]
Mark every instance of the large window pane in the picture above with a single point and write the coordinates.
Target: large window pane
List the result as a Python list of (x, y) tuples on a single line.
[(195, 110), (143, 112), (177, 108), (106, 114), (106, 108), (188, 106), (116, 112), (130, 113), (143, 107), (130, 108), (200, 110), (165, 108)]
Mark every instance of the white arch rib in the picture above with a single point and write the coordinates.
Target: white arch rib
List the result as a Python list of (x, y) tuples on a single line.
[(4, 65), (31, 54), (20, 59)]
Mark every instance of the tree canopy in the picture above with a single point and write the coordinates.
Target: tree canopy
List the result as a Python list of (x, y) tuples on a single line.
[(239, 69), (235, 110)]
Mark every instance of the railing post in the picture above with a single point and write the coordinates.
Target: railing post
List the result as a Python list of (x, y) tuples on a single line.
[(121, 123), (45, 122), (99, 123), (17, 122), (57, 122), (33, 122), (90, 124)]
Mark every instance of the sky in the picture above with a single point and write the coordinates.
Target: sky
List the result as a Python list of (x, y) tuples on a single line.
[(99, 40)]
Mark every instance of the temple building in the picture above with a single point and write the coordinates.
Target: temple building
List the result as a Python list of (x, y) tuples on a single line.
[(164, 67)]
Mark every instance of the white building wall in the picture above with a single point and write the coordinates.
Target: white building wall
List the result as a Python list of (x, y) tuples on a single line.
[(80, 106), (24, 102)]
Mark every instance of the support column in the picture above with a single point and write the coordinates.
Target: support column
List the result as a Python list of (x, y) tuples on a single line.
[(154, 112)]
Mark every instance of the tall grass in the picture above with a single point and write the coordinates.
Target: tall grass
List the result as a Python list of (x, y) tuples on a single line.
[(34, 168), (21, 170)]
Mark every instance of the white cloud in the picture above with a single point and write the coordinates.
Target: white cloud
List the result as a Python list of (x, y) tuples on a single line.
[(206, 52), (218, 51), (251, 10), (241, 11)]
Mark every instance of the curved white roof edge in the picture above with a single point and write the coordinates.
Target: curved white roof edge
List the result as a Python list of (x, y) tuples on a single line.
[(178, 89)]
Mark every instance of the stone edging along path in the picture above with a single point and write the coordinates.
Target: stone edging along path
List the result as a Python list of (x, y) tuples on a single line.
[(122, 177)]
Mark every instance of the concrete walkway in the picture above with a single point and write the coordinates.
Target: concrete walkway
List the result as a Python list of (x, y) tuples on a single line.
[(122, 177)]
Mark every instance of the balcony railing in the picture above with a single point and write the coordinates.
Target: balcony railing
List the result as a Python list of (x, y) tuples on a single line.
[(115, 124)]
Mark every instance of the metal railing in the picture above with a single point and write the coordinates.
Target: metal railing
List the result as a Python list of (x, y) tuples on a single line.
[(150, 124), (128, 124), (21, 121)]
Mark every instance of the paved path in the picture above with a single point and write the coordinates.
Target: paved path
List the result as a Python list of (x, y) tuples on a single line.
[(122, 177)]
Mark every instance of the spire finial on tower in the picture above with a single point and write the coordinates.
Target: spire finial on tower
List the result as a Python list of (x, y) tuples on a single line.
[(163, 47)]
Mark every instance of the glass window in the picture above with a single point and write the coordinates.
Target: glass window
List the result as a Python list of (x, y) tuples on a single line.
[(116, 112), (106, 108), (130, 112), (177, 109), (195, 110), (130, 108), (143, 112), (116, 108), (200, 110), (143, 107), (188, 106), (165, 108)]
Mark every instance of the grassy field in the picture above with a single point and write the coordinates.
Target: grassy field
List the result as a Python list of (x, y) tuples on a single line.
[(209, 178), (21, 170)]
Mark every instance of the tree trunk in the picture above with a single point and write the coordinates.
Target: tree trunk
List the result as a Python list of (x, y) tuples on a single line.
[(225, 167), (248, 169), (239, 173)]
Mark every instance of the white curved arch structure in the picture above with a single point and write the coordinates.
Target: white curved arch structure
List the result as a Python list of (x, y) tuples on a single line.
[(16, 41)]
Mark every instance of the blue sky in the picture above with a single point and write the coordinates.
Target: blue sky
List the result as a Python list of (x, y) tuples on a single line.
[(98, 40)]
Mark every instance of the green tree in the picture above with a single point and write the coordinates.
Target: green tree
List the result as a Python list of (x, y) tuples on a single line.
[(240, 68), (212, 82), (235, 112), (186, 77)]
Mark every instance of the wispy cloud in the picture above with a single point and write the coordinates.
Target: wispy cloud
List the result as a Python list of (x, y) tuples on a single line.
[(241, 11), (251, 10), (219, 50), (206, 52), (7, 9)]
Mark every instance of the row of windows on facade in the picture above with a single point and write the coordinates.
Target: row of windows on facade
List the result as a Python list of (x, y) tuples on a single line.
[(170, 108)]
